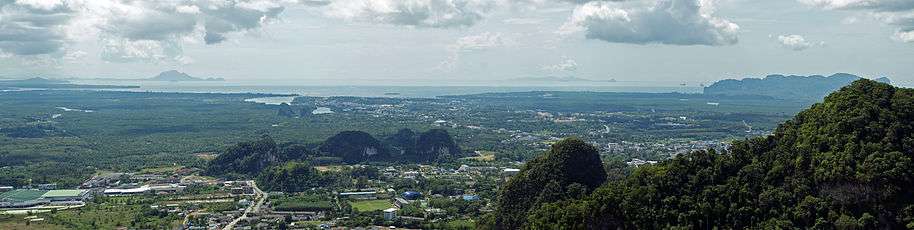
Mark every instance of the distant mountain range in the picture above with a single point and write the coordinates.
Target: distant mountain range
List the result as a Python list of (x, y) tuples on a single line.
[(174, 75), (786, 87), (557, 79)]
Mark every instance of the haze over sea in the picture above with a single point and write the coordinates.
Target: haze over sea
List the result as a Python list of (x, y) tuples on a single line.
[(412, 91)]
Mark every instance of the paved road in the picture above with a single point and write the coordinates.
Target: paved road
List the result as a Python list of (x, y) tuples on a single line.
[(255, 207)]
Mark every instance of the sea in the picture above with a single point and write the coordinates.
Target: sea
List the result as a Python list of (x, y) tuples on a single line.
[(412, 91)]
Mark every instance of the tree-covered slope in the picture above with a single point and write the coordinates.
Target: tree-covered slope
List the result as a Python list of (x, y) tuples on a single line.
[(293, 176), (402, 143), (571, 169), (433, 144), (250, 158), (428, 146), (844, 163), (354, 147)]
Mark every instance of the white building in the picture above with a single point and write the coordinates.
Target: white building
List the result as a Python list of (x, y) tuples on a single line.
[(390, 214)]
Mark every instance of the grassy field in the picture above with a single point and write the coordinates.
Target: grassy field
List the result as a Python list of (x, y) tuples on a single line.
[(370, 205), (483, 156)]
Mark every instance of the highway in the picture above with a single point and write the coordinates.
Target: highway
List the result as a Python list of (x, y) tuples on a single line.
[(255, 207)]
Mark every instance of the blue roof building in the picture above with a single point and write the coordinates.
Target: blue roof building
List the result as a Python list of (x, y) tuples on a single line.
[(412, 195)]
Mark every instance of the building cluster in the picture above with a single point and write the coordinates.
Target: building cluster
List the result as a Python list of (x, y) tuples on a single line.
[(38, 199), (114, 184)]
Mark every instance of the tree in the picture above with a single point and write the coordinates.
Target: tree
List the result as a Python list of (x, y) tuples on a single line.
[(571, 163), (845, 163)]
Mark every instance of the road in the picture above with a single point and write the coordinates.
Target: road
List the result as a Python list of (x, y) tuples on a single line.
[(255, 207)]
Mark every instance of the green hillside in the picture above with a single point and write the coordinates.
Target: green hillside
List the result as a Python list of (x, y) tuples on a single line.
[(844, 163)]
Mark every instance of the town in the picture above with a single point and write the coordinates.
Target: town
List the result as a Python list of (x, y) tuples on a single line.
[(450, 195), (496, 137)]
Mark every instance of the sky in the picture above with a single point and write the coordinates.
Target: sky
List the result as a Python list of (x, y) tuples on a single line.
[(443, 42)]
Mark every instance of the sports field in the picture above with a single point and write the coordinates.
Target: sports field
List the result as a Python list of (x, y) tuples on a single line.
[(370, 205), (20, 195)]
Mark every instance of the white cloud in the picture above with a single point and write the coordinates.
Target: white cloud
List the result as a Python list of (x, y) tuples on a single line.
[(905, 36), (75, 55), (474, 43), (881, 5), (523, 21), (46, 5), (37, 27), (420, 13), (126, 50), (899, 13), (187, 9), (796, 42), (481, 41), (673, 22), (567, 65), (32, 27)]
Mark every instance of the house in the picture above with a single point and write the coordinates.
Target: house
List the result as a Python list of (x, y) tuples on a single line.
[(66, 195), (118, 191), (390, 214), (400, 202), (46, 186), (167, 188), (510, 172), (412, 195), (371, 195)]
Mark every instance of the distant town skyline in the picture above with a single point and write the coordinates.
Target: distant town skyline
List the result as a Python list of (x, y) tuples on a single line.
[(456, 41)]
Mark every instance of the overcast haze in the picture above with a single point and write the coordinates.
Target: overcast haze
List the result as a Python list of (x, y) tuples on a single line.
[(456, 41)]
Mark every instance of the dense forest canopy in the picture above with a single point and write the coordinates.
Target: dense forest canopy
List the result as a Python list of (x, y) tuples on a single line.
[(280, 166), (293, 176), (844, 163), (250, 158), (571, 169), (354, 147)]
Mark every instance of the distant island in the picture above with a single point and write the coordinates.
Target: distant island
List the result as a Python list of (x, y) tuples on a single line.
[(44, 83), (786, 87), (557, 79), (174, 75)]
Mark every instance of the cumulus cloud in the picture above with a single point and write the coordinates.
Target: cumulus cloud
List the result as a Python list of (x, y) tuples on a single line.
[(420, 13), (898, 13), (145, 30), (481, 41), (567, 65), (796, 42), (672, 22), (881, 5), (315, 2), (46, 5), (32, 27), (74, 55), (155, 30)]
